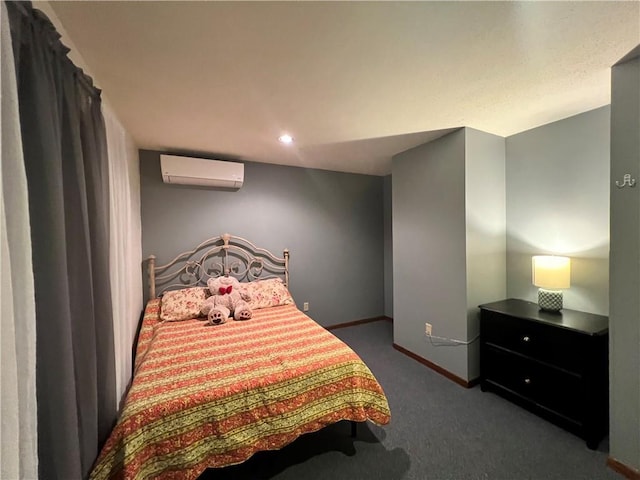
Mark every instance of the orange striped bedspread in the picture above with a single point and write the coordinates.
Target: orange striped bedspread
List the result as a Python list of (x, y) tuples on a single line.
[(211, 396)]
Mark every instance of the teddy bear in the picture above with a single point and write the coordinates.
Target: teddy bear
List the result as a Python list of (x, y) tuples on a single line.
[(226, 301)]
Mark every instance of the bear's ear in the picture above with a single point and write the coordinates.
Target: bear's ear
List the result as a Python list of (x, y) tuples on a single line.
[(213, 284)]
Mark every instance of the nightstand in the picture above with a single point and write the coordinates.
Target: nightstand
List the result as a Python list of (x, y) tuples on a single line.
[(554, 364)]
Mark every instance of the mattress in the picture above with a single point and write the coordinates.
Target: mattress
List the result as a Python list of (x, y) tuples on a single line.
[(211, 396)]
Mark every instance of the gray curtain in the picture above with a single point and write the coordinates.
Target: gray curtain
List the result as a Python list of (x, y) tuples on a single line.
[(65, 157)]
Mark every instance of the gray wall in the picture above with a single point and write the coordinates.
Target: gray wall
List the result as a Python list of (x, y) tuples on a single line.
[(388, 248), (429, 281), (485, 230), (331, 222), (624, 323), (448, 243), (558, 202)]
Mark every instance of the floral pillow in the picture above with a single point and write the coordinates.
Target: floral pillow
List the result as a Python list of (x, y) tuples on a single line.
[(182, 304), (267, 293)]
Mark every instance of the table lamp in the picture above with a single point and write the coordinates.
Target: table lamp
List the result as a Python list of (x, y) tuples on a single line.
[(551, 273)]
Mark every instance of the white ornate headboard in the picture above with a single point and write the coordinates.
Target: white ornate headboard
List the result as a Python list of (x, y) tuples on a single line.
[(222, 255)]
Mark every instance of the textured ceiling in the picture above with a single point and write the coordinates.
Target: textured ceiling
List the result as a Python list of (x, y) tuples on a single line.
[(353, 82)]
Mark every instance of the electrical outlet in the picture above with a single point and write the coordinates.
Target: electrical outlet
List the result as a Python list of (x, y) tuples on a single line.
[(427, 329), (305, 307)]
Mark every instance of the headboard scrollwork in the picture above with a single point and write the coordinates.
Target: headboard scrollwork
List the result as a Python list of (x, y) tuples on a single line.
[(222, 255)]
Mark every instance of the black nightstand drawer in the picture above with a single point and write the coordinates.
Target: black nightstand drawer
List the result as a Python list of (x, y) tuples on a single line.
[(552, 388), (548, 344)]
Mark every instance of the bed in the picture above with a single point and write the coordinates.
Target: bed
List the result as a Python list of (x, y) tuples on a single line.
[(206, 396)]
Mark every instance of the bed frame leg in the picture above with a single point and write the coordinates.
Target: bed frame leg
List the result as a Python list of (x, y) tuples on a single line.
[(354, 429)]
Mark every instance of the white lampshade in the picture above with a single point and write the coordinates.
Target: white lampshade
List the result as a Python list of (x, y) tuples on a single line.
[(552, 272)]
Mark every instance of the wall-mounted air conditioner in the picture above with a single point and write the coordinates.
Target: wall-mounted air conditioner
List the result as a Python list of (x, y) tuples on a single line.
[(199, 171)]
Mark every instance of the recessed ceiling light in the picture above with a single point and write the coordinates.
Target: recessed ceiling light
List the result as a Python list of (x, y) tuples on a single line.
[(286, 138)]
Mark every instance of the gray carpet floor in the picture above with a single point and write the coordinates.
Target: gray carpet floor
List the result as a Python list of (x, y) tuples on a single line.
[(438, 431)]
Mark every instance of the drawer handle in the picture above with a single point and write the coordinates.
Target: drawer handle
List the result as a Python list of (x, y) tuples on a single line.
[(527, 381), (526, 339)]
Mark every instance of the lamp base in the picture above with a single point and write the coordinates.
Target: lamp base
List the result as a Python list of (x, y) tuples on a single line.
[(550, 300)]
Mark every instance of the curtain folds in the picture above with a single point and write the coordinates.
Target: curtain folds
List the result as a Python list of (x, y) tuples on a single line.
[(126, 282), (65, 156), (18, 415)]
